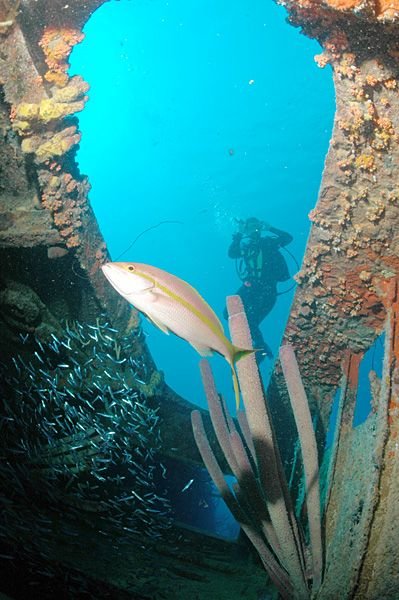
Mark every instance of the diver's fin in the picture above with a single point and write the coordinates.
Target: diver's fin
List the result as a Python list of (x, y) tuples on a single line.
[(202, 349)]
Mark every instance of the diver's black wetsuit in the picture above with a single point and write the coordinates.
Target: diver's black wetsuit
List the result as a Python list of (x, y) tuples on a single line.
[(263, 267)]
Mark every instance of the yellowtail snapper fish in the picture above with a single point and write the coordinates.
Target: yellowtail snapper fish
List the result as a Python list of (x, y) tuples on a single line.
[(174, 305)]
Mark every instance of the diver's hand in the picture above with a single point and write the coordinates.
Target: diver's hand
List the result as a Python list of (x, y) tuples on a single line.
[(266, 226), (242, 227), (237, 237)]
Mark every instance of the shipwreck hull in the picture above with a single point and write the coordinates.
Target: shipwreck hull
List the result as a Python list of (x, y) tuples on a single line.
[(51, 251)]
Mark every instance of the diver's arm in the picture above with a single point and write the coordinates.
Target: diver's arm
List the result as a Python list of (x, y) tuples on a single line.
[(283, 238), (234, 250)]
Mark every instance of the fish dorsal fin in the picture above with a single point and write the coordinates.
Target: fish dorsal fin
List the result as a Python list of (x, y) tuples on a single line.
[(159, 324), (202, 349)]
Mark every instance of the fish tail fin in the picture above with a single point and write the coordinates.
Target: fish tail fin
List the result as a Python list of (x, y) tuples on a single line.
[(238, 353), (236, 386)]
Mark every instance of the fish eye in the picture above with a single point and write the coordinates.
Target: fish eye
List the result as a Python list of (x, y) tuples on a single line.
[(131, 268)]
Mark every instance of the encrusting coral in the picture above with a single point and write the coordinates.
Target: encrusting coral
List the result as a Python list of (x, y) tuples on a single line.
[(49, 135), (57, 45), (65, 101), (355, 216), (36, 121)]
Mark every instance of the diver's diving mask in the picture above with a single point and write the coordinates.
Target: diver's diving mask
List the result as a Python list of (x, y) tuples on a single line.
[(250, 227)]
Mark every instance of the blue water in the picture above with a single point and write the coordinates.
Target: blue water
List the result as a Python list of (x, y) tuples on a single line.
[(201, 112), (371, 361)]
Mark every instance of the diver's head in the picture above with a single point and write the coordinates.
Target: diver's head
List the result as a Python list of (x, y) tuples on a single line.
[(252, 228)]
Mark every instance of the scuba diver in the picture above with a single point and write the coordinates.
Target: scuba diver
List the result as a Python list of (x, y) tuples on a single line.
[(260, 266)]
